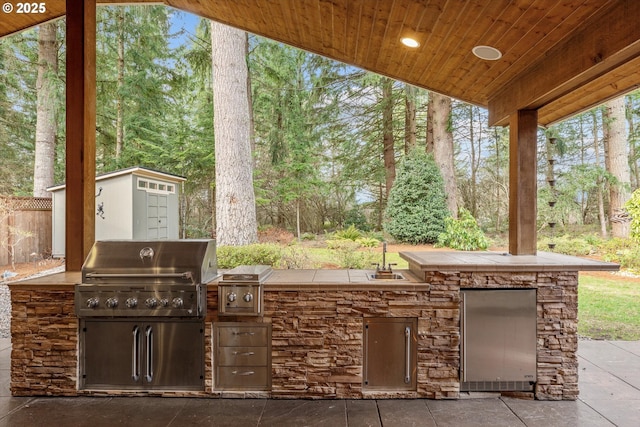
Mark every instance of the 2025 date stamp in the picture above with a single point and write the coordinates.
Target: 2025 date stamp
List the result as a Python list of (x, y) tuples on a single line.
[(32, 7)]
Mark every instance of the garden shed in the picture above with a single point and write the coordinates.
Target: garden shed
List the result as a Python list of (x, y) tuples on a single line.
[(132, 203)]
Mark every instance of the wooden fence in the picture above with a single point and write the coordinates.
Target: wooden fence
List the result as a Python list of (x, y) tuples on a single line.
[(25, 229)]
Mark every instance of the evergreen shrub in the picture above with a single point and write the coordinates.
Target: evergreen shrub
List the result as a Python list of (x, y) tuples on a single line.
[(568, 245), (417, 208), (463, 234), (357, 218), (256, 254)]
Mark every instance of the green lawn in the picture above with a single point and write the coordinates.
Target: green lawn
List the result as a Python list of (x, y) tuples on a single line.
[(608, 308)]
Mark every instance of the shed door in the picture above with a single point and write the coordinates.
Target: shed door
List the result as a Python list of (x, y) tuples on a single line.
[(157, 216)]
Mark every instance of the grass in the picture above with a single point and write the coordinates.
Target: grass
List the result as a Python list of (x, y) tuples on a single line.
[(608, 308)]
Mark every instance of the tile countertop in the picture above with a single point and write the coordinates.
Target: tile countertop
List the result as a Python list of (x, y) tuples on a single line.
[(501, 261), (358, 279), (343, 279), (64, 281)]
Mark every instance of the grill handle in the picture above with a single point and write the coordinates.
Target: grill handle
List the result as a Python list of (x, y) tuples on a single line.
[(185, 275), (135, 369), (149, 336)]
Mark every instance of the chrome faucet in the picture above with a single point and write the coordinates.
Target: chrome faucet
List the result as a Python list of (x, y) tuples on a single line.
[(386, 269)]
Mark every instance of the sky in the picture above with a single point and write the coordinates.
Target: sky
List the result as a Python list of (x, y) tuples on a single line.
[(185, 22)]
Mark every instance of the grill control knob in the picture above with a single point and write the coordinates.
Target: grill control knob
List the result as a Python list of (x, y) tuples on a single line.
[(248, 297), (231, 297), (164, 302), (177, 302), (131, 302), (111, 302), (93, 302), (151, 302)]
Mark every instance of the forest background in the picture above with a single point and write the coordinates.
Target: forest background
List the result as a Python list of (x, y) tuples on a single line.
[(325, 136)]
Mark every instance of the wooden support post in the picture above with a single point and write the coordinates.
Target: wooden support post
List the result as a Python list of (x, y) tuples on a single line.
[(523, 186), (81, 132)]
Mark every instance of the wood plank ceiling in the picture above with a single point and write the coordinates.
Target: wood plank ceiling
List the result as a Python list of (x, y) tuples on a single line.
[(559, 57)]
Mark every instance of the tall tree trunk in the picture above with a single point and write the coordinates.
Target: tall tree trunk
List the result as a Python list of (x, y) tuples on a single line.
[(120, 84), (617, 163), (633, 155), (236, 222), (440, 143), (46, 127), (252, 124), (474, 163), (600, 194), (409, 118), (388, 150)]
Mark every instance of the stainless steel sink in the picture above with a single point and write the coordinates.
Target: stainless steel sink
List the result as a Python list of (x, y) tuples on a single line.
[(385, 276)]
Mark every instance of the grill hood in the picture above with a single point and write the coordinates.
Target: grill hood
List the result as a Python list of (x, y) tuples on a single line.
[(158, 261)]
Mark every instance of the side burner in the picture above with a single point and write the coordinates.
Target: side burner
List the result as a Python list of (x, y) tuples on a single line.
[(240, 291)]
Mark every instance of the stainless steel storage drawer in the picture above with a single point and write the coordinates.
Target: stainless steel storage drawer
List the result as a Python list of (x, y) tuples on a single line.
[(240, 335), (249, 377), (242, 356)]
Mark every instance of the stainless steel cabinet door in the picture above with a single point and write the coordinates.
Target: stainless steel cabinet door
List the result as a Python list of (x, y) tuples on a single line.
[(118, 354), (110, 355), (174, 357), (390, 353)]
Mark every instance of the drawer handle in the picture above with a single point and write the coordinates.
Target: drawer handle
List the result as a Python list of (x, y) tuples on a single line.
[(243, 374), (246, 353), (244, 333)]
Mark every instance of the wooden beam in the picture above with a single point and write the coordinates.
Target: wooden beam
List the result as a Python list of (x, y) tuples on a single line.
[(81, 132), (605, 42), (523, 186)]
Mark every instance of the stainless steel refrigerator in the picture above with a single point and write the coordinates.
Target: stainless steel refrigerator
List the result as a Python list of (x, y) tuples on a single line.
[(498, 347)]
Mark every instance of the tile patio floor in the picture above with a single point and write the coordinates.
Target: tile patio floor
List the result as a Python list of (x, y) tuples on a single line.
[(609, 396)]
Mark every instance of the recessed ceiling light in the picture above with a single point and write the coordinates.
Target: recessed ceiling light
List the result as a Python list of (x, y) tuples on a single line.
[(409, 42), (487, 52)]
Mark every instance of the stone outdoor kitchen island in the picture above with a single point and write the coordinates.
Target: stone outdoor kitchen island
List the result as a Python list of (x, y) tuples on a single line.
[(313, 332)]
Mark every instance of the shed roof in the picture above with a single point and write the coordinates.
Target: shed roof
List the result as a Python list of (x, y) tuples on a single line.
[(134, 170)]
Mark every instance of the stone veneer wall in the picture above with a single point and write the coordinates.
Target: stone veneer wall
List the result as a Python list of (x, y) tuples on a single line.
[(317, 341), (44, 337), (44, 355), (557, 321), (317, 337)]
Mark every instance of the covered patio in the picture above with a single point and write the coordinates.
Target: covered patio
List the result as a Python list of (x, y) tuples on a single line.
[(550, 61)]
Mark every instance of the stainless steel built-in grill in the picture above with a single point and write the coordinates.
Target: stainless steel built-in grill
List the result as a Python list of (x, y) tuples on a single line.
[(141, 306), (165, 278)]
